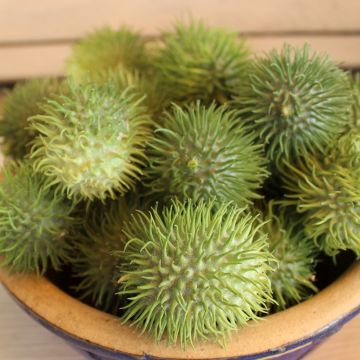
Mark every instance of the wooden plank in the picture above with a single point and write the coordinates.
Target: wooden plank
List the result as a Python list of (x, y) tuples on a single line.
[(42, 20), (342, 49), (32, 61)]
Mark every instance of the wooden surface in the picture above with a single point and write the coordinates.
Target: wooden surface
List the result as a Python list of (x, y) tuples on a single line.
[(21, 338), (40, 20), (36, 35)]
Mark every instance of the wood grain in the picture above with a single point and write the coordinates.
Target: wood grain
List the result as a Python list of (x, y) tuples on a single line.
[(36, 35), (40, 20), (20, 62), (21, 338)]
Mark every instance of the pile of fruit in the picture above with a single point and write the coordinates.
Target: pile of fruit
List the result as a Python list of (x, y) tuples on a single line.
[(189, 185)]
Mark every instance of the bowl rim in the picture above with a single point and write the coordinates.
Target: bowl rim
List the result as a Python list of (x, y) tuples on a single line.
[(287, 330)]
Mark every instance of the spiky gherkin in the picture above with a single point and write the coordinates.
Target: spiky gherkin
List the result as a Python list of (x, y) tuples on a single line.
[(201, 152), (91, 141), (198, 62), (34, 222), (105, 50), (298, 103), (194, 272), (293, 275), (328, 195), (21, 103), (94, 262)]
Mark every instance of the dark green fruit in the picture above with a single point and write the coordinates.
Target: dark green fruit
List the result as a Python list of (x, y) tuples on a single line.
[(196, 62), (292, 278), (194, 272), (297, 103), (21, 103), (34, 222), (94, 262), (201, 152)]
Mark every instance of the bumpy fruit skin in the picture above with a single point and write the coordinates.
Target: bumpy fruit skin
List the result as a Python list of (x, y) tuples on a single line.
[(346, 151), (94, 262), (33, 222), (145, 86), (298, 103), (21, 103), (292, 278), (105, 50), (355, 110), (201, 152), (196, 62), (91, 142), (328, 196), (194, 272)]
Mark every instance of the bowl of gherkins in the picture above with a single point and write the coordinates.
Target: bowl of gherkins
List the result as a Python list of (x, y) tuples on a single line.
[(183, 198)]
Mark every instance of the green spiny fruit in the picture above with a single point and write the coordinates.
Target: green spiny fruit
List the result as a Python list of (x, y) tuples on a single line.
[(292, 278), (94, 261), (34, 222), (21, 103), (201, 152), (91, 141), (194, 272), (198, 62), (298, 103), (328, 196), (106, 49)]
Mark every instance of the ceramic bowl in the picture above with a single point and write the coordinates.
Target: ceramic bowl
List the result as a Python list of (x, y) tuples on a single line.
[(289, 334)]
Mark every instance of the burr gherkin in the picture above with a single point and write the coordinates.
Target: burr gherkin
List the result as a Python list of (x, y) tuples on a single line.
[(34, 222), (297, 102), (194, 272), (199, 152), (197, 62), (91, 142)]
